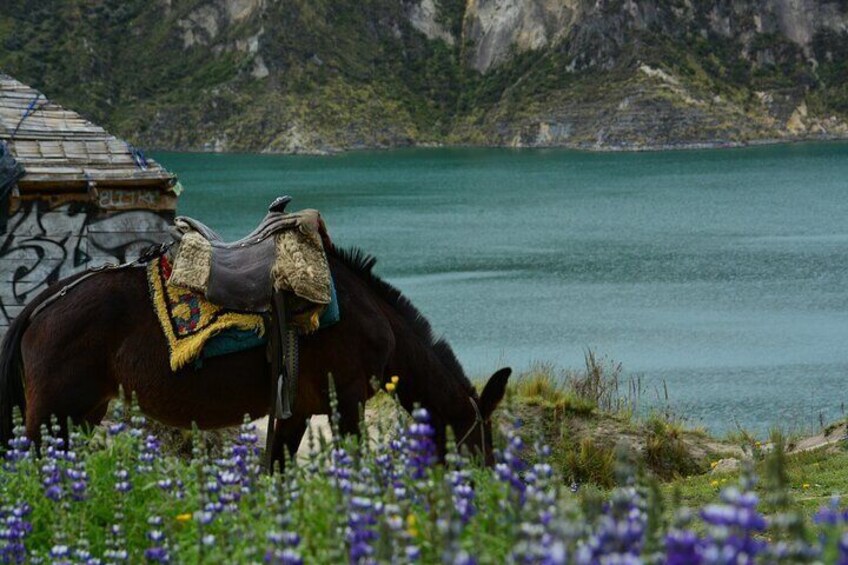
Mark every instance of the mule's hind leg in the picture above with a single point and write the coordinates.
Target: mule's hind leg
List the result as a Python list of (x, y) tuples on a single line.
[(63, 385)]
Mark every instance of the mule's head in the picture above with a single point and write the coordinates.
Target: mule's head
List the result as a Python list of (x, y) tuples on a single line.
[(477, 435)]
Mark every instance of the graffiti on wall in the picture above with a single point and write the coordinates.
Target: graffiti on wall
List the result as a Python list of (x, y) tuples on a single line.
[(116, 199), (43, 245)]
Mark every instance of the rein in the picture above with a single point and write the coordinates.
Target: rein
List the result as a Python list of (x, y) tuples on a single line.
[(142, 259), (478, 421)]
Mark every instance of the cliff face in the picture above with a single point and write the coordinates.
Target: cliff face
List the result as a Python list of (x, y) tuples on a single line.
[(322, 75), (627, 74)]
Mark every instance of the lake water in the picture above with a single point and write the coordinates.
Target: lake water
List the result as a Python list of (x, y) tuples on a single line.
[(722, 273)]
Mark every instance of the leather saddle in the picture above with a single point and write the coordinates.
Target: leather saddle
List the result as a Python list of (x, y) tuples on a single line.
[(240, 271)]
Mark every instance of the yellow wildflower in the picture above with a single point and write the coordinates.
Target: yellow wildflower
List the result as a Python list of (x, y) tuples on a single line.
[(183, 517), (713, 484), (805, 485), (713, 464), (412, 525), (395, 379), (390, 387)]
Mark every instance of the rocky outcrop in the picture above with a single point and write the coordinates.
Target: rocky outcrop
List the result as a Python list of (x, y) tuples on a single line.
[(498, 29), (424, 16)]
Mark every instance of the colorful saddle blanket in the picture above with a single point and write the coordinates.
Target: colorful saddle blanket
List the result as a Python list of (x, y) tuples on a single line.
[(195, 328), (188, 320)]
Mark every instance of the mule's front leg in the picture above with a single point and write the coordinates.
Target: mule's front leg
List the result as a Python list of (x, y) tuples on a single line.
[(352, 399), (287, 437)]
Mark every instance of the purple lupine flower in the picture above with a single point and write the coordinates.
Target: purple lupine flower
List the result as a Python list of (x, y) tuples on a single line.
[(52, 467), (734, 526), (833, 523), (360, 533), (284, 542), (244, 454), (150, 452), (157, 554), (843, 549), (392, 462), (158, 551), (682, 548), (340, 469), (116, 428), (462, 494), (537, 539), (76, 473), (510, 466), (405, 551), (122, 479), (420, 448), (832, 514), (83, 555), (619, 535), (59, 553), (20, 448), (235, 473), (463, 558), (138, 423), (13, 531), (116, 544), (363, 507), (116, 540), (284, 549), (204, 517)]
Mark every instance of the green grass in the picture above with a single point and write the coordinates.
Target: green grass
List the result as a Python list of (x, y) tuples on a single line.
[(813, 478)]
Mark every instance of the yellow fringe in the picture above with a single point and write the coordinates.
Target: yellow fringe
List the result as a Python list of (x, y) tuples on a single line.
[(185, 349)]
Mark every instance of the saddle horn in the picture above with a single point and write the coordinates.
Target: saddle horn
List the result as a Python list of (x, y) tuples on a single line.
[(279, 204)]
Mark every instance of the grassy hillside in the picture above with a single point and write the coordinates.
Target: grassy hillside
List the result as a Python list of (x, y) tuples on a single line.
[(321, 76)]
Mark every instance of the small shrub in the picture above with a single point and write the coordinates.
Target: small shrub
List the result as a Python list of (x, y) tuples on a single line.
[(590, 462), (665, 452), (600, 384)]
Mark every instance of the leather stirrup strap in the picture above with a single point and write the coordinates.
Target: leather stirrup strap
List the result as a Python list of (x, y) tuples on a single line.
[(275, 362), (283, 400), (283, 353)]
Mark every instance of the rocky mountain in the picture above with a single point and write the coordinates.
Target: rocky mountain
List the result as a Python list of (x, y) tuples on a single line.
[(324, 75)]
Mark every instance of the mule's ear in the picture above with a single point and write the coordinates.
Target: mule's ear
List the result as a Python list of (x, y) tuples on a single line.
[(494, 391)]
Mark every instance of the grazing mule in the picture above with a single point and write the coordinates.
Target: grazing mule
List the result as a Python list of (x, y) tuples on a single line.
[(69, 359)]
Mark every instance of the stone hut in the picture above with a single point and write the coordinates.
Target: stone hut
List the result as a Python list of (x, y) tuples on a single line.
[(72, 196)]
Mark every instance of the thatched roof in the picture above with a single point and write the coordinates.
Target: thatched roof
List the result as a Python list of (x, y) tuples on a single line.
[(59, 150)]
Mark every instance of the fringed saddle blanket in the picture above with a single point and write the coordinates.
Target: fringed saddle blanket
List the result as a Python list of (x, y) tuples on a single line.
[(188, 320)]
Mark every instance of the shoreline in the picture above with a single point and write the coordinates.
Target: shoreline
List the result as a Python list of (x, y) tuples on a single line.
[(578, 147)]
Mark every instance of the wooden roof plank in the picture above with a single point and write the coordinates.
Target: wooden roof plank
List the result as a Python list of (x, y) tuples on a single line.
[(58, 146)]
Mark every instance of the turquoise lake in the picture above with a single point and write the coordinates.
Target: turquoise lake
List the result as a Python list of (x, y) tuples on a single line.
[(722, 274)]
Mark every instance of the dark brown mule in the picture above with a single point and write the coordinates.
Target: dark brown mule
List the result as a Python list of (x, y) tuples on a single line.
[(71, 358)]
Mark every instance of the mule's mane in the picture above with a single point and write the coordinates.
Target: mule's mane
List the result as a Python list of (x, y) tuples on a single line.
[(362, 264)]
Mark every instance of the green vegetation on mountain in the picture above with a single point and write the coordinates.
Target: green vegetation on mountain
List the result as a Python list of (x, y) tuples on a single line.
[(310, 76)]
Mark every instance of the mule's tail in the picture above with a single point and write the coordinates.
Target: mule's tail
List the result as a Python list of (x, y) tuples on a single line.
[(11, 377)]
